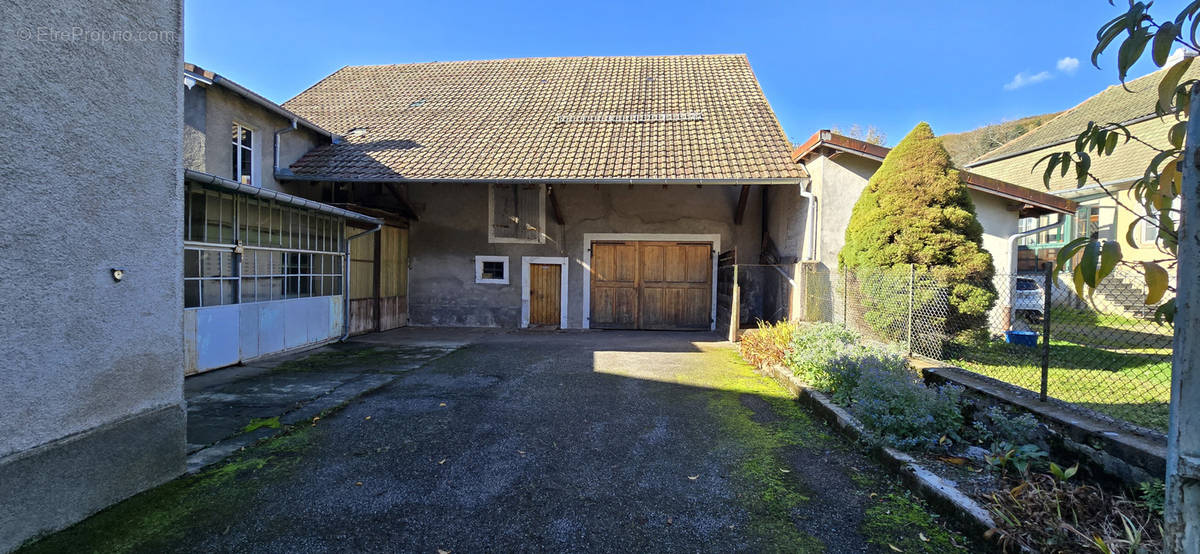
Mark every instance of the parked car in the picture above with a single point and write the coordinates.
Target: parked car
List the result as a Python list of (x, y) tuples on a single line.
[(1029, 300)]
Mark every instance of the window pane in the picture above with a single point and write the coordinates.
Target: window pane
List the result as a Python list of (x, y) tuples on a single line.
[(195, 216), (191, 294), (212, 217), (236, 163), (276, 226), (248, 264), (247, 135), (264, 289), (227, 264), (248, 289), (210, 263), (305, 286), (492, 270), (227, 219), (228, 291), (286, 240), (191, 263), (210, 292), (247, 166)]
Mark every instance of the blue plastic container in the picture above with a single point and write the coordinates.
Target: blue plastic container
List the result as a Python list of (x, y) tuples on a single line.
[(1023, 338)]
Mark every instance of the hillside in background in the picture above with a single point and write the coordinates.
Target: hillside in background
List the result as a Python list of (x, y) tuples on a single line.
[(966, 147)]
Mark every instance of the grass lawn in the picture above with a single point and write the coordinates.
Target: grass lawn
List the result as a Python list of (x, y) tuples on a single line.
[(1131, 385)]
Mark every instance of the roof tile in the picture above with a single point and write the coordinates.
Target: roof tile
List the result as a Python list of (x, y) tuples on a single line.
[(504, 119)]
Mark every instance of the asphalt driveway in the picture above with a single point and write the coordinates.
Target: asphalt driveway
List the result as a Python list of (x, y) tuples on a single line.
[(599, 441)]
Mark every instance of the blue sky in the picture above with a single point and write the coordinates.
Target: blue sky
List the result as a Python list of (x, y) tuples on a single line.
[(889, 64)]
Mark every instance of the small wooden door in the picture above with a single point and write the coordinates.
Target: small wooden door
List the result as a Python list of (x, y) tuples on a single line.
[(545, 300)]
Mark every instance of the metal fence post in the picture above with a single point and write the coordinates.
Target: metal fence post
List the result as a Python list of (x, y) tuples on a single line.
[(912, 279), (1048, 292), (845, 298)]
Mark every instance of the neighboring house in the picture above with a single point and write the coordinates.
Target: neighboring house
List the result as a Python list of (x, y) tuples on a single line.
[(91, 394), (587, 192), (1131, 106), (265, 260), (841, 167)]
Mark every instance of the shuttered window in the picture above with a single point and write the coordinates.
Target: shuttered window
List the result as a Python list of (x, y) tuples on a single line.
[(517, 213)]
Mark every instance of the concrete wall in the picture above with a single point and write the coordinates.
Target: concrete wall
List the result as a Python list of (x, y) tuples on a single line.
[(453, 230), (837, 182), (999, 222), (91, 391), (208, 145)]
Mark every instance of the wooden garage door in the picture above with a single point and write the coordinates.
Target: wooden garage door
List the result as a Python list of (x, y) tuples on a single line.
[(651, 285)]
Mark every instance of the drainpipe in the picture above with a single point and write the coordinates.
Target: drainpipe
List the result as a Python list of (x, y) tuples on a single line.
[(811, 256), (346, 282), (1012, 265), (275, 167)]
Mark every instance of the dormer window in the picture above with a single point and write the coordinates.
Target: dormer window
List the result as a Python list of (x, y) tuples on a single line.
[(243, 155)]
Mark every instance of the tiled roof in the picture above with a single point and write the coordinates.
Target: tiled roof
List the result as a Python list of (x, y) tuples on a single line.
[(652, 117), (1114, 104), (1128, 161), (990, 185)]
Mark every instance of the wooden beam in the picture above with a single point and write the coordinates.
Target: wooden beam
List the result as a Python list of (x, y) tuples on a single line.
[(741, 207), (558, 215), (405, 207)]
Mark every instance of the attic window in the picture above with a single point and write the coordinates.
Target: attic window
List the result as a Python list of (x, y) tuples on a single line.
[(516, 213), (417, 103)]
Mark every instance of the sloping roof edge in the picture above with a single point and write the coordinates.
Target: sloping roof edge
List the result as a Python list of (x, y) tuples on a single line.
[(996, 187), (217, 79)]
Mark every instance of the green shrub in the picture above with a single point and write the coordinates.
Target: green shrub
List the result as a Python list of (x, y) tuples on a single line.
[(813, 348), (996, 425), (900, 411), (767, 345), (845, 370), (916, 210)]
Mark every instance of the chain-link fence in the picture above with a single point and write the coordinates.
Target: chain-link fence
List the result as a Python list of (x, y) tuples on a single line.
[(1105, 353)]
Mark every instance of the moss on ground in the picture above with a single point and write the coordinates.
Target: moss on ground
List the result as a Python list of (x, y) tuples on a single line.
[(260, 422), (158, 518), (774, 494), (904, 522), (334, 359)]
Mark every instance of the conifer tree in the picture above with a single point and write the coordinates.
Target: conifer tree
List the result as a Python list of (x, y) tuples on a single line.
[(915, 210)]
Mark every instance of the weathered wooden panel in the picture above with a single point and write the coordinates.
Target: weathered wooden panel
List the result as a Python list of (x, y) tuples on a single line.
[(614, 282), (665, 285), (393, 262), (362, 315), (545, 287), (393, 312), (362, 265)]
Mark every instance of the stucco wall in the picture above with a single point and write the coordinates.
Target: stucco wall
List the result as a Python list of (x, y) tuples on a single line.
[(839, 181), (208, 143), (92, 181), (999, 223), (453, 230)]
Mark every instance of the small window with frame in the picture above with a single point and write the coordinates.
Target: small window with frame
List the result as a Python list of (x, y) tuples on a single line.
[(492, 270), (243, 155)]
